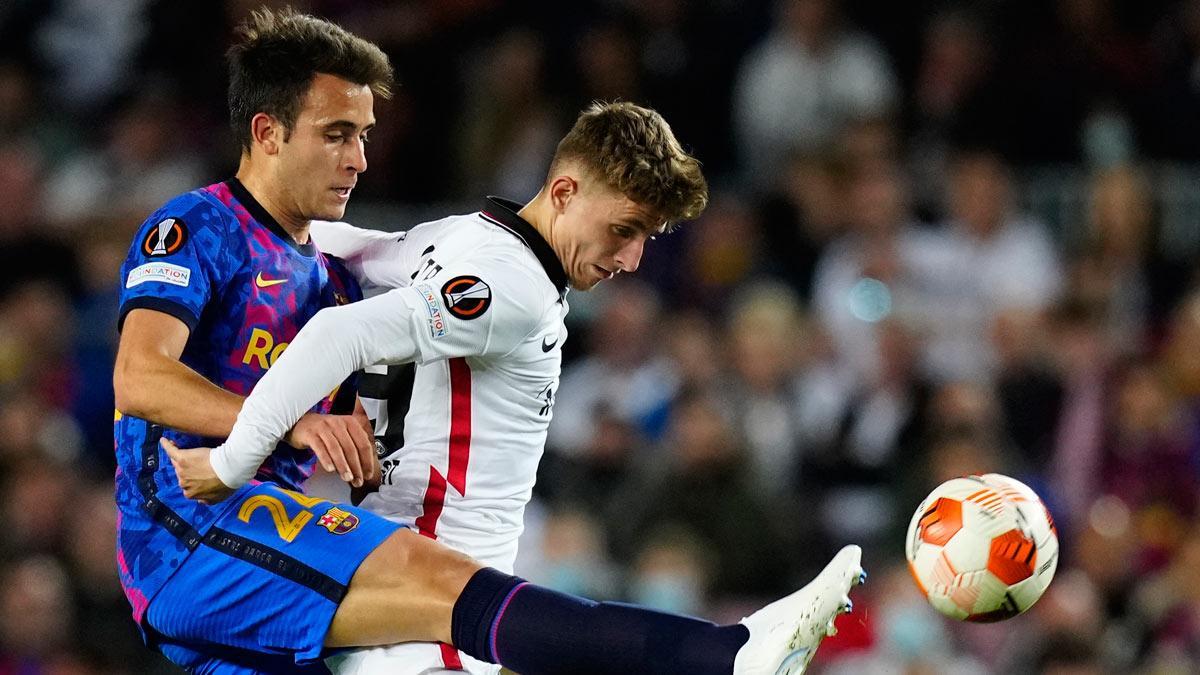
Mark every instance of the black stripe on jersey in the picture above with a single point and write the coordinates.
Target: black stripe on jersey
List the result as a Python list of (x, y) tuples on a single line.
[(161, 513), (163, 305), (395, 389), (265, 219), (504, 212), (275, 562)]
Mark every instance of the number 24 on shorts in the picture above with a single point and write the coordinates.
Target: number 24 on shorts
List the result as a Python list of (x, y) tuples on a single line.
[(287, 527)]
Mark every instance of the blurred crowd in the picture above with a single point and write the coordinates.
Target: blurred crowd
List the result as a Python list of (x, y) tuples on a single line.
[(944, 238)]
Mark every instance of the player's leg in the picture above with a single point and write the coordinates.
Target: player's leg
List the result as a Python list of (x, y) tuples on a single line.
[(262, 586), (540, 631), (415, 589), (404, 591)]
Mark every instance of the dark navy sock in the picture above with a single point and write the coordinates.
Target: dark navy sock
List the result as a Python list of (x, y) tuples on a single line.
[(535, 631)]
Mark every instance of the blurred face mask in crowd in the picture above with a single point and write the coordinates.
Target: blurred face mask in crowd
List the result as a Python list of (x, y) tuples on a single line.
[(910, 631), (667, 592)]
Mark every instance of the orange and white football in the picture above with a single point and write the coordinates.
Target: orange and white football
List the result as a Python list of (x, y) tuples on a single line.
[(982, 548)]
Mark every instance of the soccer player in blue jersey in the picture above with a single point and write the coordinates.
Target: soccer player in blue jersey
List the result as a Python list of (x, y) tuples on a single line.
[(263, 579), (215, 285)]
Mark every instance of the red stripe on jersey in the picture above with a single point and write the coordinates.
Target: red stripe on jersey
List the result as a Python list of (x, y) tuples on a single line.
[(460, 454), (450, 656), (459, 450), (435, 497), (460, 423)]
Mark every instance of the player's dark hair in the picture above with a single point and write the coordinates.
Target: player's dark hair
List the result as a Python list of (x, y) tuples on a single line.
[(633, 150), (276, 57)]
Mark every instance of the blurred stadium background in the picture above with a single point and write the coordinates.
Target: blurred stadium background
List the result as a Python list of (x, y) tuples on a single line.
[(945, 237)]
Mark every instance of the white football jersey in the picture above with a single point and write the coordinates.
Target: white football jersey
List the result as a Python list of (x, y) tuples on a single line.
[(461, 430)]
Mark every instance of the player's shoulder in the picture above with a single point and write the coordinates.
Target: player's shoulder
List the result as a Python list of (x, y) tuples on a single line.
[(202, 206), (458, 235), (506, 253), (473, 239), (197, 216), (195, 212), (476, 254)]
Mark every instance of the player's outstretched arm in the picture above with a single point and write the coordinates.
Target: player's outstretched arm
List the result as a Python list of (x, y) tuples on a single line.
[(402, 325), (333, 344), (340, 443)]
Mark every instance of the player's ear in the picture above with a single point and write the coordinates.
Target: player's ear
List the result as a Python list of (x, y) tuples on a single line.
[(562, 189), (266, 132)]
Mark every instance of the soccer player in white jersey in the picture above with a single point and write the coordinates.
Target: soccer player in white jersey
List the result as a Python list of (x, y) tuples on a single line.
[(477, 303)]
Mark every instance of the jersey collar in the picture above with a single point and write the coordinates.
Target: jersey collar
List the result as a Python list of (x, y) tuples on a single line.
[(260, 214), (503, 212)]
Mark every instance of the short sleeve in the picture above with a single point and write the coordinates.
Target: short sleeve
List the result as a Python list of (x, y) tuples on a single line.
[(177, 262)]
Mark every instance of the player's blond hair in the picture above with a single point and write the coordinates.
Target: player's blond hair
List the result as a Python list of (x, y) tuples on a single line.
[(633, 151), (276, 57)]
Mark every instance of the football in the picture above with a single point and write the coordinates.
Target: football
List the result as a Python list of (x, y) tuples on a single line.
[(982, 548)]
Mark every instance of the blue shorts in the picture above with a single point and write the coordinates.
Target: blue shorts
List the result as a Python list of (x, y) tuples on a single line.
[(259, 593), (227, 661)]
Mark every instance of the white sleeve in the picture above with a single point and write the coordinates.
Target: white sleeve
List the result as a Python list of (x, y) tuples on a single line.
[(473, 309), (333, 344), (374, 257), (479, 307)]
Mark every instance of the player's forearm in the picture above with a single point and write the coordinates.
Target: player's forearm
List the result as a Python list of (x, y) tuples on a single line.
[(167, 392), (336, 342)]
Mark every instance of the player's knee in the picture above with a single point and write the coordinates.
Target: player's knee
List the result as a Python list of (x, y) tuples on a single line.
[(405, 590), (408, 559), (397, 551)]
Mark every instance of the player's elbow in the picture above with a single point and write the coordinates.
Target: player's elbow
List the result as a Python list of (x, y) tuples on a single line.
[(121, 385), (126, 386), (348, 333)]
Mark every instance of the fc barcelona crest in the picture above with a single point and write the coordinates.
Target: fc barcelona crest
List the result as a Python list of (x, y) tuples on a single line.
[(338, 521)]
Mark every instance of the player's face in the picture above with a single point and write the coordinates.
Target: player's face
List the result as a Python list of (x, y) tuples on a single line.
[(319, 164), (601, 233)]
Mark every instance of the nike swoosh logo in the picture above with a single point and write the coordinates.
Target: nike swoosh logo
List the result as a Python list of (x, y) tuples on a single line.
[(264, 283), (547, 346)]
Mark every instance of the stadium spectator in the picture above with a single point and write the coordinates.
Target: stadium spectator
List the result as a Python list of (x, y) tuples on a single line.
[(808, 78)]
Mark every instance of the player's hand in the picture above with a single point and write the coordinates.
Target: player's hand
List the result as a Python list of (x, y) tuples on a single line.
[(195, 473), (342, 444), (372, 483), (360, 414), (373, 478)]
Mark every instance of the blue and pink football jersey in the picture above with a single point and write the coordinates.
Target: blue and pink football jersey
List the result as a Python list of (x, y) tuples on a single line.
[(217, 261)]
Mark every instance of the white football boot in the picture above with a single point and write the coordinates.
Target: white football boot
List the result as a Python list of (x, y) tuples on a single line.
[(785, 634)]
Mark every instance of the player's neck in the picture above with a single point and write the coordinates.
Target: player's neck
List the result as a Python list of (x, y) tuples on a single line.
[(259, 187), (539, 213)]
